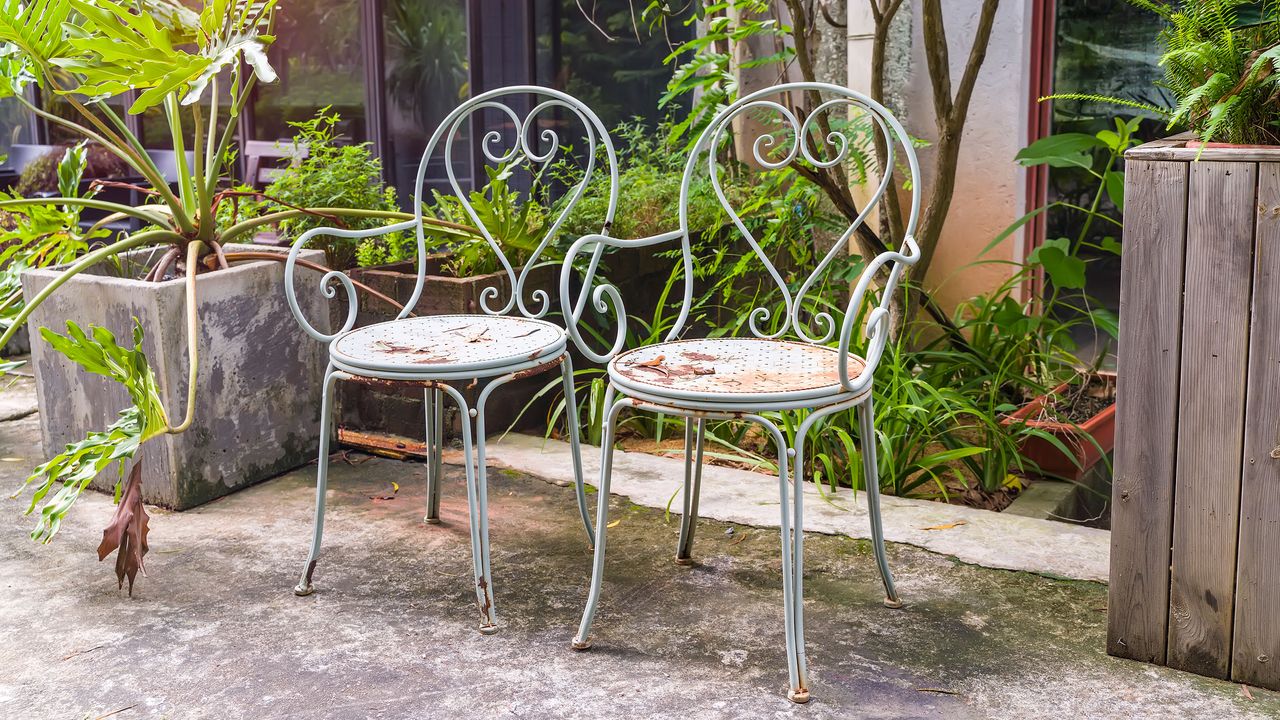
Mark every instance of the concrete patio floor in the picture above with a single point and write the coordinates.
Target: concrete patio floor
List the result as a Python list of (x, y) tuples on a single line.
[(214, 630)]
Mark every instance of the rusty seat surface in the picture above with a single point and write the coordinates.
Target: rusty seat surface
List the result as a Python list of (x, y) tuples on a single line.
[(448, 344), (733, 370)]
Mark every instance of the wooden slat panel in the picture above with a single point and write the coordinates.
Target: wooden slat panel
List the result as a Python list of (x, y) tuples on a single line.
[(1256, 649), (1215, 338), (1146, 412)]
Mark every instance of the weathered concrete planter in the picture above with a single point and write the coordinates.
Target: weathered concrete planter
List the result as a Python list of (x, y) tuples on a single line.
[(258, 402), (1196, 498)]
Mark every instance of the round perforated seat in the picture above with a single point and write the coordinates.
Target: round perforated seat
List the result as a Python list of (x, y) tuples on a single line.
[(733, 370), (443, 344)]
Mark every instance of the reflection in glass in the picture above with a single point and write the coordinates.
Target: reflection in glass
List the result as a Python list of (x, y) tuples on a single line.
[(318, 56), (1104, 47), (426, 77)]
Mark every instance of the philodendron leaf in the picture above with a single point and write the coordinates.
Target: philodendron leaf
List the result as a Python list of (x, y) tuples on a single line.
[(1064, 268), (127, 531), (75, 467)]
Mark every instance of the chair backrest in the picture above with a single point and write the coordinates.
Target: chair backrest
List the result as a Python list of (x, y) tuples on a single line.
[(260, 174), (525, 141), (852, 122), (521, 144)]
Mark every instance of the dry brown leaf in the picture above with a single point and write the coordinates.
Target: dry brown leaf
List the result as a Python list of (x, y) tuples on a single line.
[(947, 526), (127, 532)]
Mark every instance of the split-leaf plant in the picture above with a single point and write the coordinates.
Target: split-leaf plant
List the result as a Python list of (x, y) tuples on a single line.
[(198, 68)]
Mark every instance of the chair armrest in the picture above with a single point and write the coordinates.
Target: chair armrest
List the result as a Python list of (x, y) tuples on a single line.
[(876, 328), (327, 288), (573, 308)]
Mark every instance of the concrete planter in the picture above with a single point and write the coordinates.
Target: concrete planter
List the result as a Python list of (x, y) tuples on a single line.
[(258, 402)]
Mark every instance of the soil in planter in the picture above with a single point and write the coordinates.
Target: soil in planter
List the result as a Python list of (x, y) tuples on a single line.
[(1079, 403)]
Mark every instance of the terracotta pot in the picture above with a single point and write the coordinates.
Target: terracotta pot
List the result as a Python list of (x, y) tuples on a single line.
[(1052, 462)]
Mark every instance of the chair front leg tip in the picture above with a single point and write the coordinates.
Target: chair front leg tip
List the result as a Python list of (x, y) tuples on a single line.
[(685, 561), (431, 520), (304, 586), (581, 644), (488, 629), (798, 696), (893, 603)]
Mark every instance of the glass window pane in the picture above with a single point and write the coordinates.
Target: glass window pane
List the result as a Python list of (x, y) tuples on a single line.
[(1109, 48), (318, 56), (426, 77)]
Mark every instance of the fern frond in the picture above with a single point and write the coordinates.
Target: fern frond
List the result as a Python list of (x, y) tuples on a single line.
[(1104, 99)]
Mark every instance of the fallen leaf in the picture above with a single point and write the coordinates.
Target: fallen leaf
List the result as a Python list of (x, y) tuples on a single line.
[(947, 526), (127, 531), (654, 362), (704, 371), (1244, 689), (614, 523), (395, 488)]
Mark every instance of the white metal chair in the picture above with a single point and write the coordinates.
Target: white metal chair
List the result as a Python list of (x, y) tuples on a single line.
[(755, 377), (501, 344)]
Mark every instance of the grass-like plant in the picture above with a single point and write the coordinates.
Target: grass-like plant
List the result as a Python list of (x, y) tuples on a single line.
[(198, 67)]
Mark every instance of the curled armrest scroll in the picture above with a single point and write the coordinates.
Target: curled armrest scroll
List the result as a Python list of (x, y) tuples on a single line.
[(327, 280)]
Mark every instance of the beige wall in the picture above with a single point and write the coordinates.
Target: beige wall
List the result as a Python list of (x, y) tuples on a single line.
[(990, 188)]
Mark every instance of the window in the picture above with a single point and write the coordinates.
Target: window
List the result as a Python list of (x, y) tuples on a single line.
[(318, 56)]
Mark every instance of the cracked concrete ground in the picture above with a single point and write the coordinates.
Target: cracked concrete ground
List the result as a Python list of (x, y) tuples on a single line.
[(214, 630)]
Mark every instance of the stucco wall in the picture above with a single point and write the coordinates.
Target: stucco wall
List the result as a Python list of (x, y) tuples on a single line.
[(989, 186)]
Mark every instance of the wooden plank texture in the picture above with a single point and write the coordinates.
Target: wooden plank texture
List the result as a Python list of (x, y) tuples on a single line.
[(1255, 657), (1146, 411), (1215, 341)]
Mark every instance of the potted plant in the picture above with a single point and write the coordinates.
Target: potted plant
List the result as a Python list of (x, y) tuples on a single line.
[(232, 413)]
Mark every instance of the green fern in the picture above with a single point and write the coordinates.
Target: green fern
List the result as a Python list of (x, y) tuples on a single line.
[(1221, 61)]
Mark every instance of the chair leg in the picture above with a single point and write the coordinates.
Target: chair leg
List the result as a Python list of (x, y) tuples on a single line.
[(692, 488), (871, 475), (582, 640), (792, 546), (478, 506), (571, 416), (304, 586), (433, 401)]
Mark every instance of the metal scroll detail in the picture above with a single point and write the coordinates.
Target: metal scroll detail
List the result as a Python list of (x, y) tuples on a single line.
[(798, 140), (532, 147)]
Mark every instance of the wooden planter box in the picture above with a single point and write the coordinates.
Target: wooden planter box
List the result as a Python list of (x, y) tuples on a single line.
[(392, 418), (1196, 499)]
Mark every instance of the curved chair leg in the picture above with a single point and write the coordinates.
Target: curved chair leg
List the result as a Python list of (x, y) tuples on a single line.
[(433, 401), (792, 547), (478, 508), (304, 586), (582, 640), (871, 474), (571, 417), (692, 488)]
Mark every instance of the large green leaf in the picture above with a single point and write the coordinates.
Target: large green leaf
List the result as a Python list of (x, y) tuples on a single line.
[(1061, 150), (77, 465)]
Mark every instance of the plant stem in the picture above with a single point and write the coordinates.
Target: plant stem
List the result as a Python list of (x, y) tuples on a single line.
[(193, 338), (80, 266), (245, 225)]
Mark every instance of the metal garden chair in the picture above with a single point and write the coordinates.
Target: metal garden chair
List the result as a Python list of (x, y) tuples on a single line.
[(758, 378), (501, 344)]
